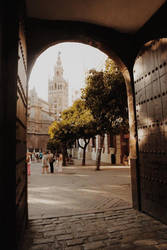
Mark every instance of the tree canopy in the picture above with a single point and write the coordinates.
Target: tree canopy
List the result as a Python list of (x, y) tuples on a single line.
[(76, 123), (105, 95), (102, 109), (80, 117)]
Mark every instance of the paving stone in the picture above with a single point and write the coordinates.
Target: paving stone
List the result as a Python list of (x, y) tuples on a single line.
[(84, 234), (94, 245), (75, 242), (41, 247), (98, 237), (74, 248), (43, 240), (64, 237), (146, 242)]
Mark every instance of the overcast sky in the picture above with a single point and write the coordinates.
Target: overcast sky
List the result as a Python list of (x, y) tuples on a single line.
[(76, 58)]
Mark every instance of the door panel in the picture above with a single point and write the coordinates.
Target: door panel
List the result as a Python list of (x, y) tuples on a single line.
[(151, 106)]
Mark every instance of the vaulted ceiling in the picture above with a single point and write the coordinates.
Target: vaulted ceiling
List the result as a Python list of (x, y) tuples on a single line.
[(126, 16)]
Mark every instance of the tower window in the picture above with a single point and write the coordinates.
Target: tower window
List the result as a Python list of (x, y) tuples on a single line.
[(55, 85)]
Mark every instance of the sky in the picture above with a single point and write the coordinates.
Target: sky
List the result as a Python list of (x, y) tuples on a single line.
[(76, 58)]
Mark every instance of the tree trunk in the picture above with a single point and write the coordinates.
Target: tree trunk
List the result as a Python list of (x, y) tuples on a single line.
[(64, 150), (84, 150), (98, 158), (84, 156)]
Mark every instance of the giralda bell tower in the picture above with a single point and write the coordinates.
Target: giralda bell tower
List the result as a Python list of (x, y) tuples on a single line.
[(58, 90)]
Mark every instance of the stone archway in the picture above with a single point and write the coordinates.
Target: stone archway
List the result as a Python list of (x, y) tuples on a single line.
[(126, 46), (122, 48), (129, 87)]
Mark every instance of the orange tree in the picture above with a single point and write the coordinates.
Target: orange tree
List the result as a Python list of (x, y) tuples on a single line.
[(84, 126), (105, 96), (76, 123), (62, 137)]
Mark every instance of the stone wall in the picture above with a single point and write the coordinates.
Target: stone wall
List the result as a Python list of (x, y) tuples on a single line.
[(21, 123), (8, 95)]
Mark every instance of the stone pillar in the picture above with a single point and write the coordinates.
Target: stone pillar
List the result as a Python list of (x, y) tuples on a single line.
[(8, 97), (133, 143)]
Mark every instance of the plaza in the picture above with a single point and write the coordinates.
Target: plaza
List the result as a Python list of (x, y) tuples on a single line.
[(81, 208)]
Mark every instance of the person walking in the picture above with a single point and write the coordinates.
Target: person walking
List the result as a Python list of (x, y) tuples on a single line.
[(60, 162), (56, 162), (45, 163), (28, 160), (51, 161)]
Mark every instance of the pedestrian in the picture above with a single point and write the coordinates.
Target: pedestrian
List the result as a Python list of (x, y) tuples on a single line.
[(60, 162), (125, 160), (51, 161), (28, 160), (40, 155), (37, 157), (45, 163), (56, 162)]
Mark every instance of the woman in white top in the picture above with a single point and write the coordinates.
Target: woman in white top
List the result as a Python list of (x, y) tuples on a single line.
[(45, 163), (60, 162)]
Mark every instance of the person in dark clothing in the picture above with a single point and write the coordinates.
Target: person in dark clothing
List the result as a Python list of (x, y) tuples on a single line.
[(51, 161)]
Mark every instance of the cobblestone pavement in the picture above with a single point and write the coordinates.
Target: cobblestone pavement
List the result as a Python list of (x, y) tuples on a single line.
[(109, 229), (99, 216)]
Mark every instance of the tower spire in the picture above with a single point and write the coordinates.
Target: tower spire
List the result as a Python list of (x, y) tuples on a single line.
[(58, 67), (58, 89)]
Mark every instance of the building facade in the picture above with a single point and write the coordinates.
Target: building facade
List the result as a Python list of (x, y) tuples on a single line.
[(114, 150), (58, 90), (38, 122), (41, 113)]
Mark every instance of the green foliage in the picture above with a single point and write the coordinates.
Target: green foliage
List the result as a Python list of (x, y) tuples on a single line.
[(62, 133), (81, 119), (54, 145), (76, 122), (105, 95), (102, 109)]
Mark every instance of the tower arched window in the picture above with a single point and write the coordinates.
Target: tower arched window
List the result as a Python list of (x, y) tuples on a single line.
[(55, 86)]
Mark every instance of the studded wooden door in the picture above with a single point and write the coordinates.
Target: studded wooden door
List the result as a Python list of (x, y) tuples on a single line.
[(150, 78)]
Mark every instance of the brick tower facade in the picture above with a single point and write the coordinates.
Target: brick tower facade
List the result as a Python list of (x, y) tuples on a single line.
[(58, 90)]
